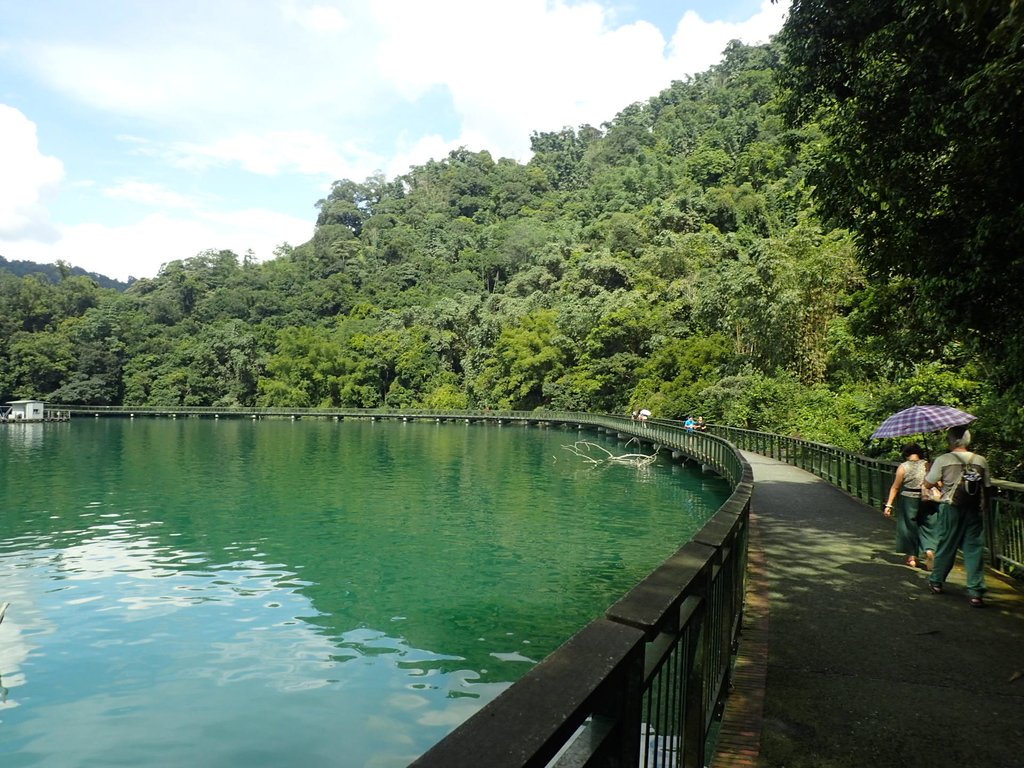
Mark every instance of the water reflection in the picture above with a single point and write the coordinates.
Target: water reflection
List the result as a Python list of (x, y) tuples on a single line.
[(111, 636), (230, 593), (24, 439)]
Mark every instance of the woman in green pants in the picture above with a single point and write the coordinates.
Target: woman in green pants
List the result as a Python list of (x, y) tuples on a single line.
[(915, 532)]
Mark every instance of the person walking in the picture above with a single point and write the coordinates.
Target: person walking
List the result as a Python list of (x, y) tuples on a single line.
[(960, 513), (915, 528)]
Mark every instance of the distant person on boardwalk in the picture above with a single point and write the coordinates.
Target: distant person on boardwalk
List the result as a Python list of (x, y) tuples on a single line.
[(689, 424), (964, 479), (916, 533), (700, 425)]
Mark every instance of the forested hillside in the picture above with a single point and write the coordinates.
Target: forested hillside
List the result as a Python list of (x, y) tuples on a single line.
[(58, 271), (672, 258)]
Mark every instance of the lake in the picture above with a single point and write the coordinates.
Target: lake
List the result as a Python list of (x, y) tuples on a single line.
[(199, 592)]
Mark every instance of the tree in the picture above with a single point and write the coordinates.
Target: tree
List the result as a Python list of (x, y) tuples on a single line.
[(304, 370), (678, 371), (560, 154), (524, 357), (38, 363), (919, 103), (351, 204)]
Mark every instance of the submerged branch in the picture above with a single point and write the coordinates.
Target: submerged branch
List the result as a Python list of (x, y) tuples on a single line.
[(582, 449)]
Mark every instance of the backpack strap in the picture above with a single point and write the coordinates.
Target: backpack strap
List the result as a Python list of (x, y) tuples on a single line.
[(963, 461)]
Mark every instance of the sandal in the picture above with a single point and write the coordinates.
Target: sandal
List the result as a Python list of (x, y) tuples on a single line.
[(977, 602), (935, 588), (912, 561)]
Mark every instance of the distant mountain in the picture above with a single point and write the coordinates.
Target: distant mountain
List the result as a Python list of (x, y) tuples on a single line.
[(22, 268)]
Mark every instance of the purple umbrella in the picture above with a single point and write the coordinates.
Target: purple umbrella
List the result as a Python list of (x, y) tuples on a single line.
[(919, 419)]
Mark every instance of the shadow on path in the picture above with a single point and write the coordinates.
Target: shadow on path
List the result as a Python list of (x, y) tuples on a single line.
[(865, 666)]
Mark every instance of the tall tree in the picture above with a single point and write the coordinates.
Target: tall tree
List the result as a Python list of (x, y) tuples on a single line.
[(919, 102)]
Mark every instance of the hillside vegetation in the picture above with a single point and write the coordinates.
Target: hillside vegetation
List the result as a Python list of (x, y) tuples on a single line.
[(673, 258)]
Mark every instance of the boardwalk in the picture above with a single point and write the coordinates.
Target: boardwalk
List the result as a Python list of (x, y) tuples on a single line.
[(849, 661)]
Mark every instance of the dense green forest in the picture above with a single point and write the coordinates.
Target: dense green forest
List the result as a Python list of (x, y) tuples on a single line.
[(59, 271), (770, 244)]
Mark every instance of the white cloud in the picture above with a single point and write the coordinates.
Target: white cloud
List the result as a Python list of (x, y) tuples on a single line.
[(130, 79), (534, 65), (521, 66), (27, 176), (697, 44), (141, 248), (146, 193), (216, 67), (509, 68), (414, 151), (274, 153), (316, 18)]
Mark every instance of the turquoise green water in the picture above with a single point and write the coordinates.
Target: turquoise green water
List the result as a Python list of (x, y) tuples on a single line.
[(314, 593)]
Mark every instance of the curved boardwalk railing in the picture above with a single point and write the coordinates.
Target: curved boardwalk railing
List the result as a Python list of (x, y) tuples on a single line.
[(640, 686), (869, 480)]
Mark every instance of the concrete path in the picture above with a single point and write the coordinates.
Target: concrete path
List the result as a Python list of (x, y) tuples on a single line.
[(865, 667)]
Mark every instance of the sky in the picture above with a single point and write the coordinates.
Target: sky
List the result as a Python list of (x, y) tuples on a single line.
[(135, 133)]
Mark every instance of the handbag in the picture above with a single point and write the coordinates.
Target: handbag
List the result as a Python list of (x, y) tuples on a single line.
[(930, 498)]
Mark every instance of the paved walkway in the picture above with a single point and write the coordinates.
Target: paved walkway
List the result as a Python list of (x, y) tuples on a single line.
[(848, 661)]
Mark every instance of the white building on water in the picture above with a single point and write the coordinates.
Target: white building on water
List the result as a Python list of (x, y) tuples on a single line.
[(24, 410)]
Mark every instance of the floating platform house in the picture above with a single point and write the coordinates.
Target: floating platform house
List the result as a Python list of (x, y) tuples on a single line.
[(23, 411)]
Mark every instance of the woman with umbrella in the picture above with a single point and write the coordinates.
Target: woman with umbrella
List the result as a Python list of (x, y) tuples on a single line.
[(915, 531)]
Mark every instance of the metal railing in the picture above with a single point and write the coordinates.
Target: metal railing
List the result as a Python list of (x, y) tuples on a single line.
[(870, 479), (324, 413)]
